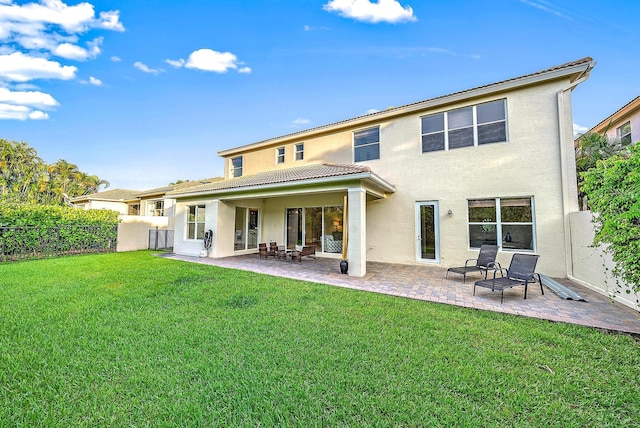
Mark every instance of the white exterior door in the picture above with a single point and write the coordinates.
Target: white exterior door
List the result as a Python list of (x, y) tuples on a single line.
[(428, 235)]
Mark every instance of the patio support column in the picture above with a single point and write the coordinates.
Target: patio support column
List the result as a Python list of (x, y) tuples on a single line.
[(211, 222), (357, 232)]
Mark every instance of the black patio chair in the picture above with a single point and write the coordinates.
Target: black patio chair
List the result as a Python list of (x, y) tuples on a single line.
[(521, 272), (486, 260)]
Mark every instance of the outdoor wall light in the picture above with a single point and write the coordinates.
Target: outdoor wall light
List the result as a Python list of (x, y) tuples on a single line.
[(449, 213)]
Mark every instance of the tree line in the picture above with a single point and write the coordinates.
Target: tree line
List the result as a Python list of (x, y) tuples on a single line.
[(25, 178)]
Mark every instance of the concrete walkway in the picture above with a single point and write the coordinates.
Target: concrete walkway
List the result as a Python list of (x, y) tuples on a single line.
[(426, 282)]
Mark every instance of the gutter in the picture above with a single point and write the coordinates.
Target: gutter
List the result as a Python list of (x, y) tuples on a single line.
[(563, 168), (389, 188)]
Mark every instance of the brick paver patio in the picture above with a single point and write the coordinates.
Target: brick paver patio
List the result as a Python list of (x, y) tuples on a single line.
[(426, 282)]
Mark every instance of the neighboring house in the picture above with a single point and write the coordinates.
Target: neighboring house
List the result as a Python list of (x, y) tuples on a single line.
[(120, 200), (154, 202), (623, 125), (428, 182), (592, 266)]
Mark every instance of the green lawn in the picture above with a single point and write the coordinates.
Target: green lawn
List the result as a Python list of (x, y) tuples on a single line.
[(130, 339)]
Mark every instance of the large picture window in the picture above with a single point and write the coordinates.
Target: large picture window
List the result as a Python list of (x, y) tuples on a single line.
[(507, 222), (366, 144), (195, 222), (470, 126)]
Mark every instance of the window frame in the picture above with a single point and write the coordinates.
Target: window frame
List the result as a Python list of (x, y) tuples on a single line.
[(280, 155), (234, 170), (475, 126), (153, 210), (365, 145), (626, 137), (196, 230), (498, 224), (298, 152)]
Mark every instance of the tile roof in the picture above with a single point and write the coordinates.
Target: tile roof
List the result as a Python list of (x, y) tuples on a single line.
[(281, 176), (558, 68), (180, 186), (118, 195), (625, 109)]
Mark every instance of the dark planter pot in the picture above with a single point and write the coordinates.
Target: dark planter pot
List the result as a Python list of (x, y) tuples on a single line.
[(344, 266)]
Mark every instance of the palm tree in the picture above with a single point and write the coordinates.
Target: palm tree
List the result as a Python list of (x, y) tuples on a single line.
[(64, 177)]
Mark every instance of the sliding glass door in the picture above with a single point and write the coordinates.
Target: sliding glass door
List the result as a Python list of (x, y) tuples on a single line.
[(319, 226)]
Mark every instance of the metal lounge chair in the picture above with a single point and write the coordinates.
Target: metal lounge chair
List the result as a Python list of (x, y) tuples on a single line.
[(521, 272), (486, 260)]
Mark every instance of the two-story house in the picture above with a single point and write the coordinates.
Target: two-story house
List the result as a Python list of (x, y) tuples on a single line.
[(427, 182), (623, 125)]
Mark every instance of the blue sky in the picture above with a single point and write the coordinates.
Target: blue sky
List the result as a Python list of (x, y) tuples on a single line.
[(143, 93)]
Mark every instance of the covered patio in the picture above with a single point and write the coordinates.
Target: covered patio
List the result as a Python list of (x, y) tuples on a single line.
[(427, 282)]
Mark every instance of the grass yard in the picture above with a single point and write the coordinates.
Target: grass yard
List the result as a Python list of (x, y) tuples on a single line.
[(134, 340)]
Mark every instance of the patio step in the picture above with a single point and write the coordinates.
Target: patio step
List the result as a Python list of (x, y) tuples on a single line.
[(560, 290)]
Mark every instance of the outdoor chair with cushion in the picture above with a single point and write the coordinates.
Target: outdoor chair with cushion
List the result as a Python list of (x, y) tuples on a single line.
[(486, 260), (521, 272), (303, 251)]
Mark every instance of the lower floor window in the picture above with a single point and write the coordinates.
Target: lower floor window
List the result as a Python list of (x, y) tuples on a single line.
[(507, 222), (195, 222)]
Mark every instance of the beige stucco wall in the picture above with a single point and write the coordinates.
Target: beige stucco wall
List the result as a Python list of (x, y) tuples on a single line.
[(529, 164), (120, 207), (133, 231), (592, 266)]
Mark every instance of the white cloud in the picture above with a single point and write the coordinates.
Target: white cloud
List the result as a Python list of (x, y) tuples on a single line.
[(372, 110), (95, 81), (116, 58), (32, 32), (9, 111), (142, 67), (18, 67), (33, 17), (577, 130), (548, 7), (364, 10), (300, 122), (69, 51), (210, 60), (175, 63), (27, 98)]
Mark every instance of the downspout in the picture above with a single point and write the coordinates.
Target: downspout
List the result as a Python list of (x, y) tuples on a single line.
[(563, 169)]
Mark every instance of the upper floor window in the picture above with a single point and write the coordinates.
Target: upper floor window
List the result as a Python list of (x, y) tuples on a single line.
[(195, 222), (366, 144), (236, 167), (624, 133), (470, 126), (155, 208), (299, 153), (280, 155)]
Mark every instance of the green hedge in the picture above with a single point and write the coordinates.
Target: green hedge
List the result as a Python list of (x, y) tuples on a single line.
[(51, 215), (31, 231)]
